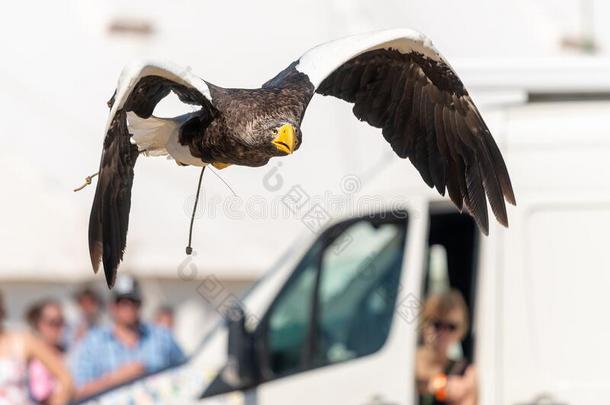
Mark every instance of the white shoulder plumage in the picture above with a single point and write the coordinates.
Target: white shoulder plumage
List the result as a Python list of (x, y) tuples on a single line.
[(133, 72), (321, 61)]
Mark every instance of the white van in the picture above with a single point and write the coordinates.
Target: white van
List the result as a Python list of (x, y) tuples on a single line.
[(336, 322)]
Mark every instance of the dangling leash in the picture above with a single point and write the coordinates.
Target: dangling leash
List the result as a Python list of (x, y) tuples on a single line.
[(189, 249), (87, 181)]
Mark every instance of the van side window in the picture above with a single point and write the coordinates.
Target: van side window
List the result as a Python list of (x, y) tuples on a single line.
[(289, 322), (340, 301), (357, 292)]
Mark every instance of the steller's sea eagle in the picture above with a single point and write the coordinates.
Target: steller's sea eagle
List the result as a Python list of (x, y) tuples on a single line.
[(396, 80)]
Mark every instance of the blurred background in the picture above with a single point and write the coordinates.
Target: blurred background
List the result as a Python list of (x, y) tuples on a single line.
[(60, 63)]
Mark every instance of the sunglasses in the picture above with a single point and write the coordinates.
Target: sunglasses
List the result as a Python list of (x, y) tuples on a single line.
[(444, 326), (129, 301), (54, 322)]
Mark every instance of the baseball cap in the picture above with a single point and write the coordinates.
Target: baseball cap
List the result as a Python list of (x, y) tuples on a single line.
[(126, 287)]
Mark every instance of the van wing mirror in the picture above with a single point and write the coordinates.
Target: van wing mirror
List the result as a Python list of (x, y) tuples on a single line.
[(240, 371)]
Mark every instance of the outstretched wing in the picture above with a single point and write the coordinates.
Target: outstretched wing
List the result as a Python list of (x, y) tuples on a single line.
[(141, 86), (399, 82)]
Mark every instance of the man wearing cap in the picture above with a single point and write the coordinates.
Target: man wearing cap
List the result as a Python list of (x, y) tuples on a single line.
[(114, 354)]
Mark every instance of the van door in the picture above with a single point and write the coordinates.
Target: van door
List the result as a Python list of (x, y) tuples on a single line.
[(555, 292), (330, 335)]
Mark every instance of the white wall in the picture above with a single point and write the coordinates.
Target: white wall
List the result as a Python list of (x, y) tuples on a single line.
[(62, 66)]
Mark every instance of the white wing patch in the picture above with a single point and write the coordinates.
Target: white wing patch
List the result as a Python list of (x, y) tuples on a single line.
[(319, 62), (150, 134), (132, 73), (159, 136)]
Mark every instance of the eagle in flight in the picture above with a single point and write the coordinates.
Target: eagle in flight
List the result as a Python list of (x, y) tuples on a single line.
[(395, 79)]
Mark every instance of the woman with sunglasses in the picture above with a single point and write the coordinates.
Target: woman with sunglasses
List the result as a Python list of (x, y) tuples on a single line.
[(442, 379), (47, 322), (16, 351)]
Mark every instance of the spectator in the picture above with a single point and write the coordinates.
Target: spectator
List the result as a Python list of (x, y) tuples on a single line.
[(441, 379), (164, 317), (47, 322), (16, 350), (124, 350), (90, 306)]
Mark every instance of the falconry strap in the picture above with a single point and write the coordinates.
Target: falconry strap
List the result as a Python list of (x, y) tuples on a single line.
[(189, 249)]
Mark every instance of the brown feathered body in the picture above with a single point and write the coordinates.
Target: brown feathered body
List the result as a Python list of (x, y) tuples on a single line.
[(239, 130)]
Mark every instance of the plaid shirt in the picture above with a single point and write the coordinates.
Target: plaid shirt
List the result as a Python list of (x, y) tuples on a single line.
[(100, 352)]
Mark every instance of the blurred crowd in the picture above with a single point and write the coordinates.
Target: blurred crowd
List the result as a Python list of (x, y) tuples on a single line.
[(109, 343)]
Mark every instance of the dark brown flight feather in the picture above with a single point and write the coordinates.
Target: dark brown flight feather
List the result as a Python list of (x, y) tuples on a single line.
[(109, 219), (427, 115)]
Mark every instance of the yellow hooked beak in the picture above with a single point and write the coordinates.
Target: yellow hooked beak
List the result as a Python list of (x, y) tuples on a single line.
[(286, 139)]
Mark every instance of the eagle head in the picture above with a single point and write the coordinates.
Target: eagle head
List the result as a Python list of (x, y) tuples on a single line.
[(284, 138)]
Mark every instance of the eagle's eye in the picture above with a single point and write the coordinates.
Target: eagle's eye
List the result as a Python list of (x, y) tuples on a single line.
[(285, 138)]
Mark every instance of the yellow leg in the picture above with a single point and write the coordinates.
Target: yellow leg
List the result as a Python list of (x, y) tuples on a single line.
[(220, 165)]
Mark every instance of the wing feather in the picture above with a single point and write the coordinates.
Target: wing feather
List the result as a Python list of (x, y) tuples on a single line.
[(400, 83), (437, 162), (140, 88)]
